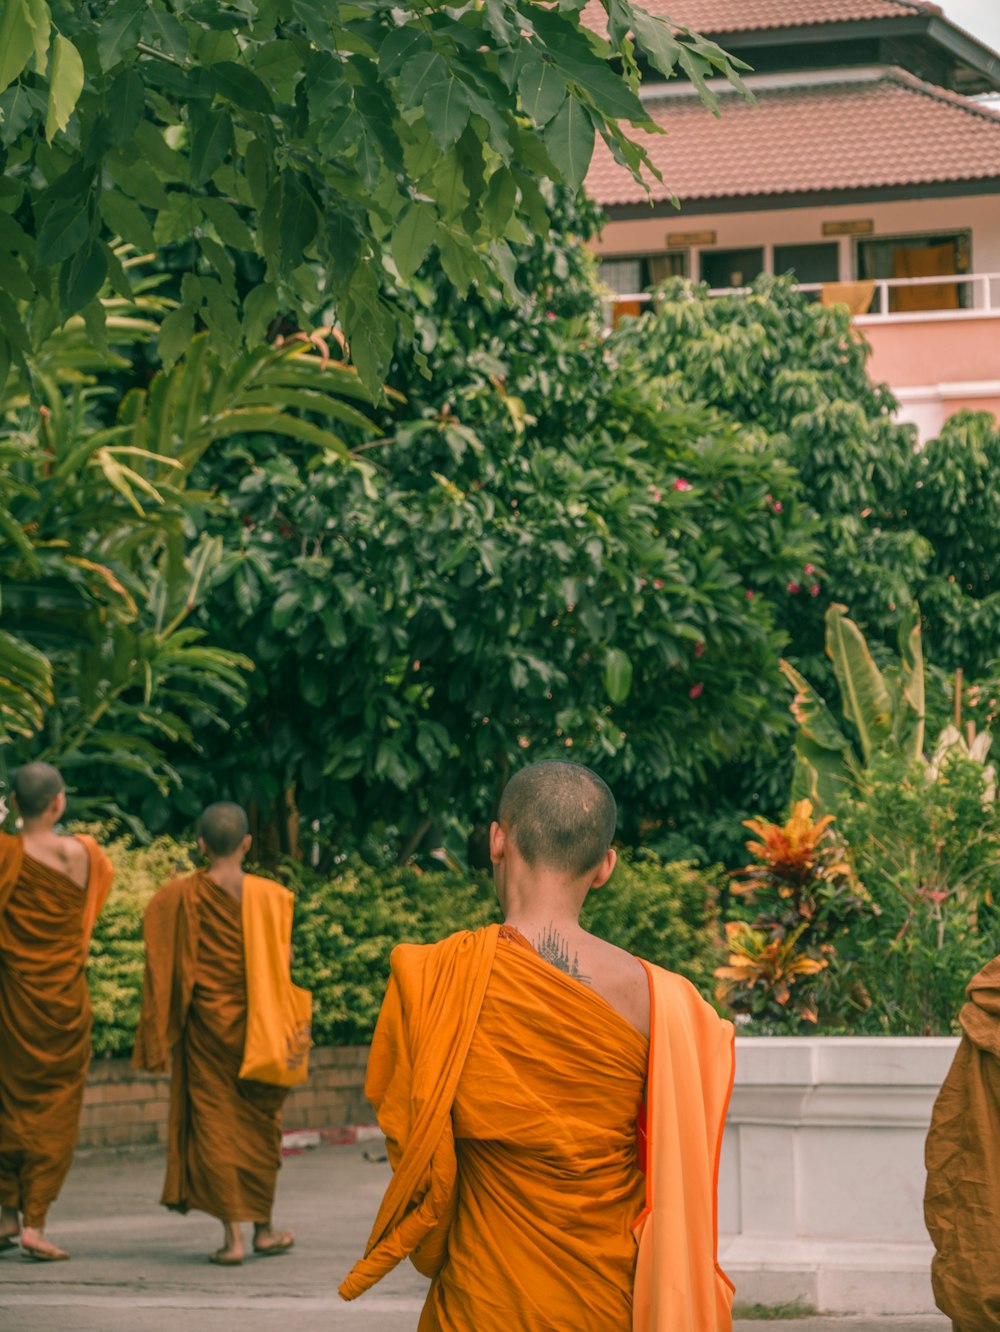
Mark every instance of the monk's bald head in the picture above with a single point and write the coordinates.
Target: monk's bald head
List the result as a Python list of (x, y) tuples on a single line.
[(222, 828), (36, 785), (560, 815)]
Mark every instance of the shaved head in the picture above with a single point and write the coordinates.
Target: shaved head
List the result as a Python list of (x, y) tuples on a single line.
[(222, 828), (36, 785), (560, 815)]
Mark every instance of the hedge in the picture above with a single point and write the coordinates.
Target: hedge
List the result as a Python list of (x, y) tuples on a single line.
[(347, 925)]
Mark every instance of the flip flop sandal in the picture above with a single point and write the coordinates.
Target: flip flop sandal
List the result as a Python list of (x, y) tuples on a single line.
[(222, 1260), (37, 1255), (268, 1250)]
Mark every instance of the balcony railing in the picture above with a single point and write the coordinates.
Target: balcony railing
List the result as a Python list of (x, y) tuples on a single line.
[(876, 300)]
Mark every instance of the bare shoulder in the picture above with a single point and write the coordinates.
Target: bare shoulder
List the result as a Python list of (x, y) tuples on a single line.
[(618, 977)]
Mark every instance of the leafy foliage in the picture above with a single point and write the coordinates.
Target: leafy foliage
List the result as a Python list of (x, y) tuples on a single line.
[(100, 666), (545, 556), (293, 154), (955, 505), (929, 852), (785, 965)]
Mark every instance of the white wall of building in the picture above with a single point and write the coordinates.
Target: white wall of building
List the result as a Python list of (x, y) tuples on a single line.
[(791, 226)]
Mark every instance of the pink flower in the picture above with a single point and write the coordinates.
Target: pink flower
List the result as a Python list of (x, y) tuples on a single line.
[(699, 648), (810, 568), (695, 690), (681, 484), (749, 594), (777, 506), (814, 590), (658, 584), (793, 588)]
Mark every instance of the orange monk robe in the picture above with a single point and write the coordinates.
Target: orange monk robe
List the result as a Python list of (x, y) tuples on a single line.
[(962, 1198), (45, 1020), (509, 1093), (224, 1132)]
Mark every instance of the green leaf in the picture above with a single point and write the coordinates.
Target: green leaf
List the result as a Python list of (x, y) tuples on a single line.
[(419, 75), (237, 84), (118, 32), (259, 307), (210, 145), (176, 333), (65, 85), (412, 238), (127, 220), (64, 230), (569, 138), (227, 222), (17, 40), (446, 107), (14, 279), (162, 30), (543, 91), (617, 675), (126, 103), (298, 222), (81, 277), (865, 696), (18, 107)]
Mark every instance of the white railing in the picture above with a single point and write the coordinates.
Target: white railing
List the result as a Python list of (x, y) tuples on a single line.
[(983, 295)]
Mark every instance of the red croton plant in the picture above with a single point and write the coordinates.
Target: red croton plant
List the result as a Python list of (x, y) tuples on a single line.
[(784, 968)]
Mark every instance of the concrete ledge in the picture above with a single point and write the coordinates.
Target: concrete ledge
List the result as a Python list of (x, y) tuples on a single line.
[(821, 1190)]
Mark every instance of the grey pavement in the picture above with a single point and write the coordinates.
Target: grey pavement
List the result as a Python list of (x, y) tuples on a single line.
[(139, 1268)]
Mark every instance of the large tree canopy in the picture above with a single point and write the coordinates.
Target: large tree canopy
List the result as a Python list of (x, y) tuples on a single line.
[(298, 153)]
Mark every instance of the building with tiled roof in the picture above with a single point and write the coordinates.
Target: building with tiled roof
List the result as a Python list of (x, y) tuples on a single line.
[(852, 169)]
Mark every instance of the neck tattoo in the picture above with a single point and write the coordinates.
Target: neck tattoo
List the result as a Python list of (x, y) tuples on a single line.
[(554, 948)]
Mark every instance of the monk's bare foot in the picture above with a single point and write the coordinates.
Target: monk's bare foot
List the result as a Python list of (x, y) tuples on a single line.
[(227, 1257), (267, 1240), (231, 1253), (35, 1245)]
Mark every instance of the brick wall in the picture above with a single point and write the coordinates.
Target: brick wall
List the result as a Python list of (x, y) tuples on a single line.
[(123, 1108)]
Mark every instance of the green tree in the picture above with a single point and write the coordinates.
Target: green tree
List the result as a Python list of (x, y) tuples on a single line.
[(294, 155), (545, 554)]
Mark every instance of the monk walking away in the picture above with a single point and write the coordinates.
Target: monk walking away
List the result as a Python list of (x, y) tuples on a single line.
[(52, 887), (217, 954), (962, 1197), (553, 1106)]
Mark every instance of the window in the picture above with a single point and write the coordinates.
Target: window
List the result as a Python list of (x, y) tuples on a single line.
[(639, 273), (809, 263), (731, 268), (918, 257)]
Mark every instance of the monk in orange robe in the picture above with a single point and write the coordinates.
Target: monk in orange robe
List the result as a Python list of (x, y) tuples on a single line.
[(52, 887), (962, 1197), (553, 1107), (224, 1132)]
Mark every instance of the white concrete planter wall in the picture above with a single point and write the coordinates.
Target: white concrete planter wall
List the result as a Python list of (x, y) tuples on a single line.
[(822, 1180)]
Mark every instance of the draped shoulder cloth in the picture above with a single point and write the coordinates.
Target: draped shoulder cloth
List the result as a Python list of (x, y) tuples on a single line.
[(424, 1030), (170, 934), (679, 1285)]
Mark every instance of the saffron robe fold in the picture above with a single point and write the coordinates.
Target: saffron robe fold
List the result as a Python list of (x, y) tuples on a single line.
[(224, 1132), (45, 1020), (508, 1093), (962, 1196)]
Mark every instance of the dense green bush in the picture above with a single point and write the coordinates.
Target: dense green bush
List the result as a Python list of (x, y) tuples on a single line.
[(347, 925), (928, 852)]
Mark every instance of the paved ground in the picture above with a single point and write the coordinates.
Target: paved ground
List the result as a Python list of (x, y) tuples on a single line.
[(138, 1268)]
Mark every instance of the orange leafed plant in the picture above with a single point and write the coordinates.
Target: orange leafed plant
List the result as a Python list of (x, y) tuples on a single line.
[(757, 959), (792, 851)]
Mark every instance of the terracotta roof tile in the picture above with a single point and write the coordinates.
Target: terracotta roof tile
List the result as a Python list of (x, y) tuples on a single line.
[(858, 134), (720, 16)]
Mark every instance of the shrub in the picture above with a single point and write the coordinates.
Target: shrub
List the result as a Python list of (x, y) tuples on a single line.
[(788, 964), (929, 852), (347, 925)]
